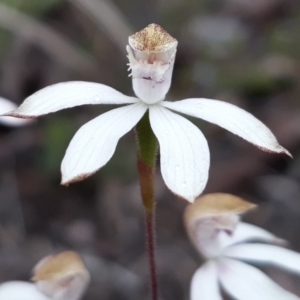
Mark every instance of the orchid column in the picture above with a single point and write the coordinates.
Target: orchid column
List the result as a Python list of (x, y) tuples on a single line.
[(151, 54)]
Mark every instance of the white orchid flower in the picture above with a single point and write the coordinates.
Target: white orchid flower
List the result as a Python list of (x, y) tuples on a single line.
[(184, 151), (59, 277), (213, 226), (6, 106)]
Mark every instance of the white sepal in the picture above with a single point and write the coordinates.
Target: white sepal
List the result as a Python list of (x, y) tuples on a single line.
[(69, 287), (232, 118), (267, 255), (20, 290), (95, 142), (204, 284), (184, 153), (68, 94), (245, 282), (248, 232), (7, 106)]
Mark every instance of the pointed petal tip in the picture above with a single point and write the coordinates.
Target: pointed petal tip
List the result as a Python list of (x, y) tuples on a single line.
[(283, 150), (78, 178), (15, 114), (189, 198), (64, 183), (279, 149), (67, 182)]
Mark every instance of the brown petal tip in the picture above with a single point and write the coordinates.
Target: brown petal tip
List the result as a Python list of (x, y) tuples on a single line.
[(18, 115), (78, 178), (286, 152), (279, 149), (216, 204), (57, 266)]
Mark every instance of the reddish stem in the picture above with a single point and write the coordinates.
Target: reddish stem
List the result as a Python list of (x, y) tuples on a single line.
[(150, 228), (146, 175)]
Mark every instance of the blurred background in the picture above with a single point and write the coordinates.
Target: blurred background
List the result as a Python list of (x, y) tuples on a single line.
[(245, 52)]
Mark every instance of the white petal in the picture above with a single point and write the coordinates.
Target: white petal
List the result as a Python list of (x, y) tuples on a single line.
[(204, 284), (20, 290), (95, 142), (184, 153), (266, 254), (246, 232), (245, 282), (68, 287), (6, 106), (69, 94), (232, 118)]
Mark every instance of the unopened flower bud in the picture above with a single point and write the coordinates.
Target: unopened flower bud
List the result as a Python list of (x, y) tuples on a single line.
[(211, 215), (151, 54), (62, 276)]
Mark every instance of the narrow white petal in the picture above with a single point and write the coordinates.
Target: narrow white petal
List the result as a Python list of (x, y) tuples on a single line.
[(232, 118), (6, 106), (95, 142), (204, 284), (247, 232), (184, 153), (245, 282), (20, 290), (69, 94), (266, 254)]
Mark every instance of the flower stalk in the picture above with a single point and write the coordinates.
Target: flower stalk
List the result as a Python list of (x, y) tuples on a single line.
[(147, 149)]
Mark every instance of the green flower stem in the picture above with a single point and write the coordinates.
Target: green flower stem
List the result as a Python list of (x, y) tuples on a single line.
[(147, 149), (147, 142)]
